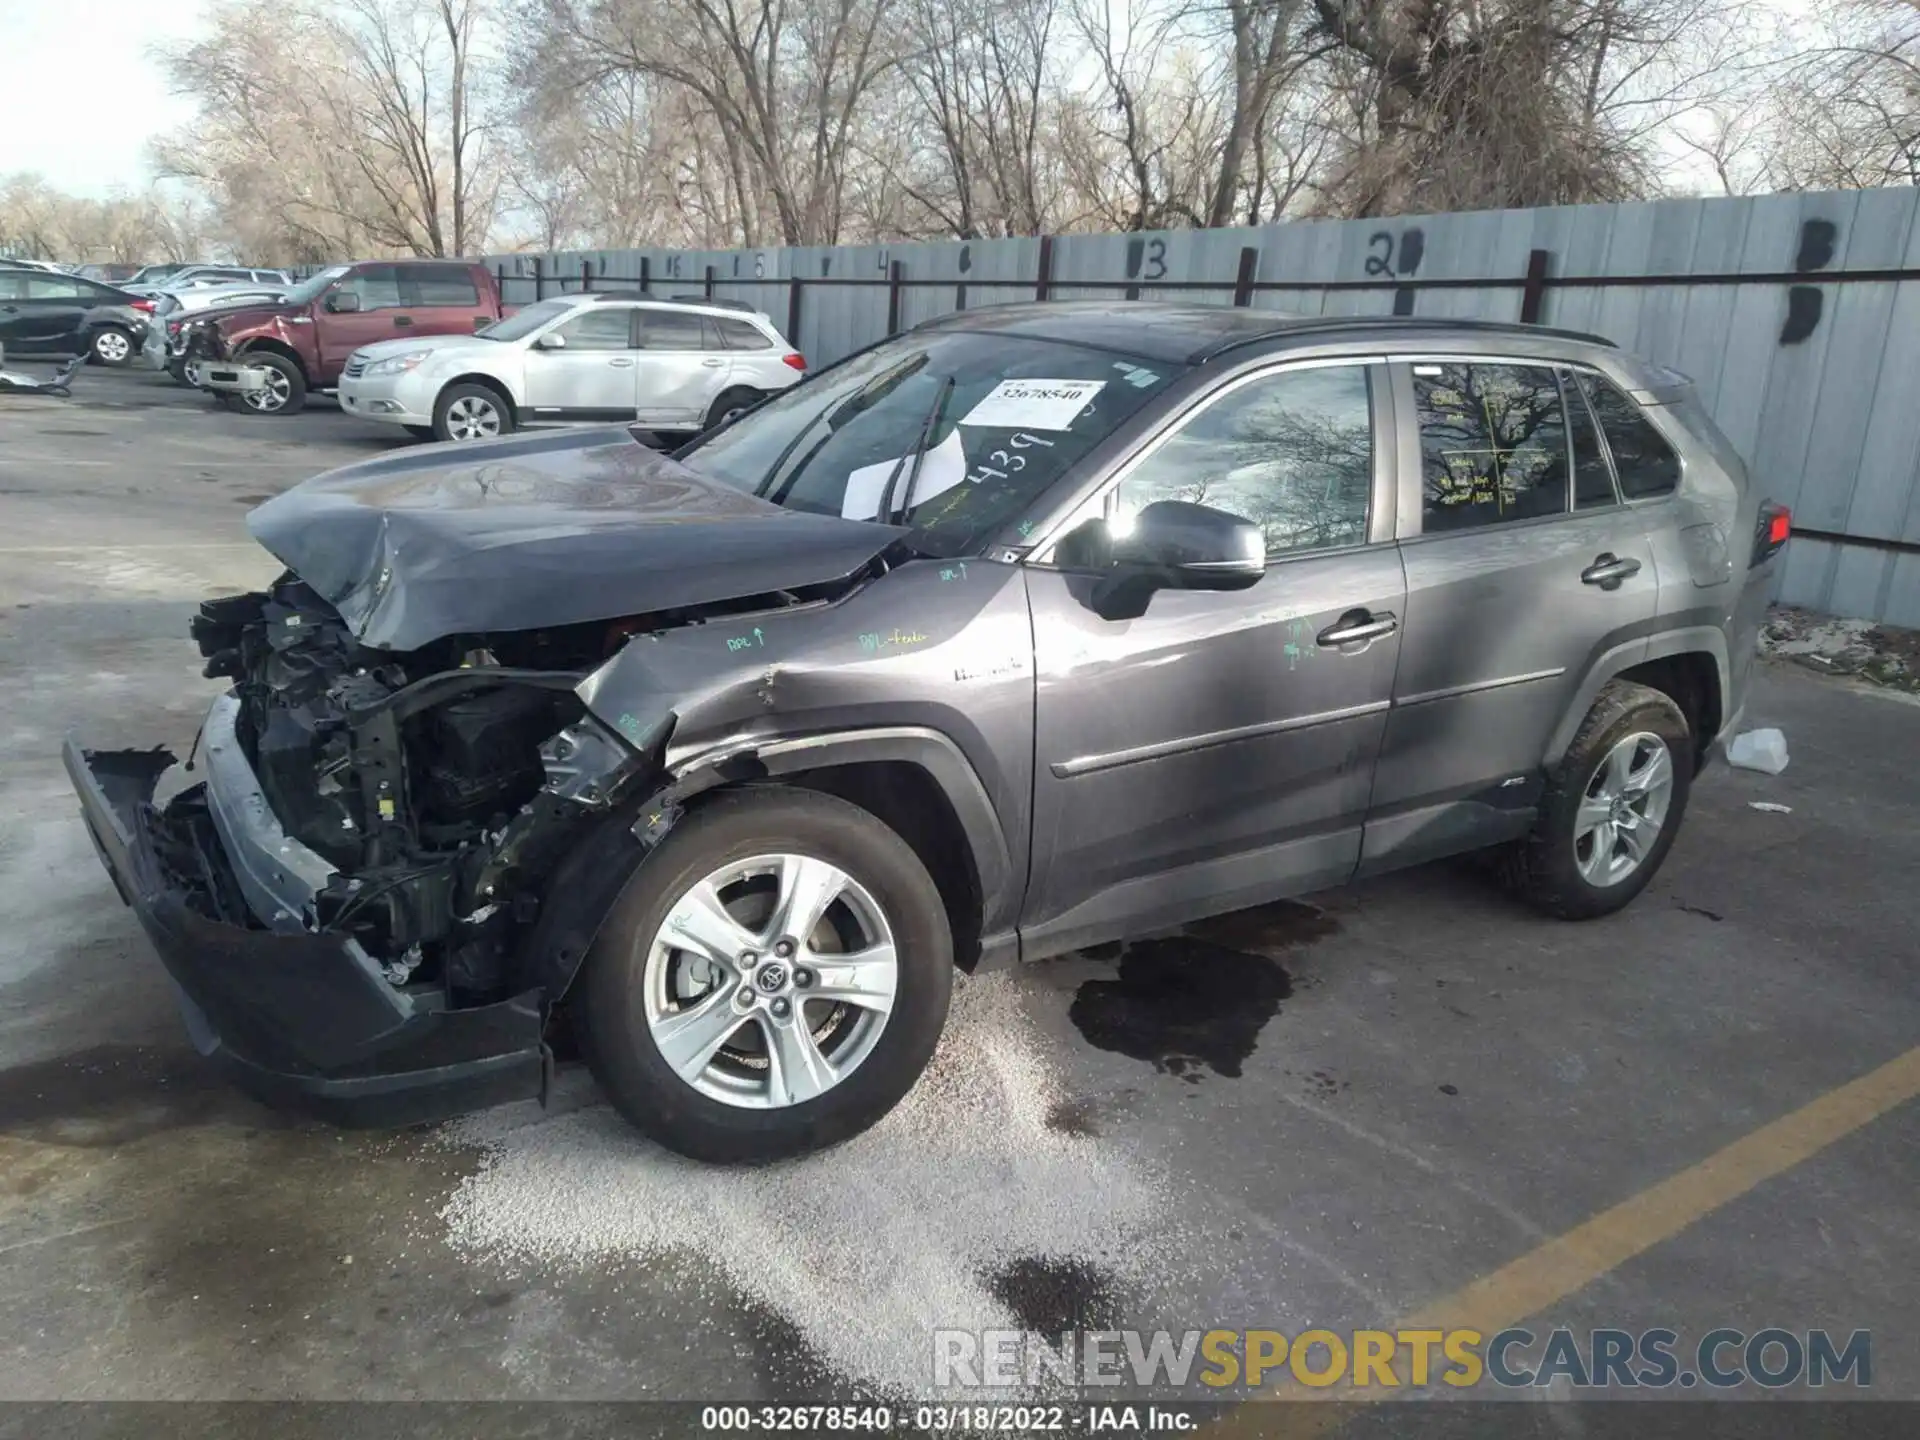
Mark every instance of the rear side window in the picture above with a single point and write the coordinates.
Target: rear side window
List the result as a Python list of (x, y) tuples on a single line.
[(739, 335), (58, 287), (450, 285), (671, 330), (1592, 475), (1642, 458), (1493, 444)]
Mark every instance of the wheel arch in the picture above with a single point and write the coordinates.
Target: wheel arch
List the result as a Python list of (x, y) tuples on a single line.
[(915, 780), (1689, 665), (270, 346), (493, 383)]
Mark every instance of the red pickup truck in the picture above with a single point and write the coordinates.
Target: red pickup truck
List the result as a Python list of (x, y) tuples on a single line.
[(268, 358)]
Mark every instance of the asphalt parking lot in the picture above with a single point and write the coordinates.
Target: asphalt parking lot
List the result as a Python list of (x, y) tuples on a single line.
[(1338, 1114)]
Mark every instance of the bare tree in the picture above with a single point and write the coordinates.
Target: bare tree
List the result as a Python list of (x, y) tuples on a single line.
[(1849, 105), (331, 129), (1461, 104), (784, 82)]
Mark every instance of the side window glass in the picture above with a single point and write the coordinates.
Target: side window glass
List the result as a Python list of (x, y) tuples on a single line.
[(739, 335), (670, 330), (1493, 444), (13, 287), (598, 330), (450, 285), (378, 287), (1592, 475), (55, 287), (1292, 452), (1642, 458)]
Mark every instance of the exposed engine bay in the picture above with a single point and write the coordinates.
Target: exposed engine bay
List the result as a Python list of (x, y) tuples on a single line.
[(435, 789)]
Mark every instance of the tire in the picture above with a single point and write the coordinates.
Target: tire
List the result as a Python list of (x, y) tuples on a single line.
[(471, 412), (1555, 868), (731, 1110), (420, 432), (287, 395), (111, 345), (729, 403)]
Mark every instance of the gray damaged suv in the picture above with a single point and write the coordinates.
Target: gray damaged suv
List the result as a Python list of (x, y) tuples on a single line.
[(1035, 627)]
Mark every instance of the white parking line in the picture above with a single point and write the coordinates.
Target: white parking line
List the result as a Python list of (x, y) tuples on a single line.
[(127, 549)]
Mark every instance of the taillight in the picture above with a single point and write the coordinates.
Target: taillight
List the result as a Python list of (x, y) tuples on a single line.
[(146, 305), (1771, 533), (794, 362)]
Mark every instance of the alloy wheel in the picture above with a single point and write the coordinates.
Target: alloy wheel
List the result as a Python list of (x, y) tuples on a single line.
[(770, 981), (112, 347), (274, 397), (472, 418), (1623, 809)]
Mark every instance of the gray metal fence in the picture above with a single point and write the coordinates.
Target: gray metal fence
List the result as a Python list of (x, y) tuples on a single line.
[(1798, 315)]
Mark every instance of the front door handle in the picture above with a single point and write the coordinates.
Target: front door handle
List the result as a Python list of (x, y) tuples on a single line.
[(1356, 626), (714, 363), (401, 322), (620, 362), (1608, 570)]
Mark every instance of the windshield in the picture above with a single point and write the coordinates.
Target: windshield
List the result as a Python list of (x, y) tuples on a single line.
[(523, 323), (1004, 417), (308, 290)]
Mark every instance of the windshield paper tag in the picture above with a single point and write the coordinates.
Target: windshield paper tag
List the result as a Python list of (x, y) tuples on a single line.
[(1034, 404), (944, 468)]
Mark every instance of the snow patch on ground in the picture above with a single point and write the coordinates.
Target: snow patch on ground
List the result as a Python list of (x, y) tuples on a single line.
[(866, 1248)]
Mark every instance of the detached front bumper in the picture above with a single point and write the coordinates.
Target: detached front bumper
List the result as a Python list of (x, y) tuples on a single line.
[(304, 1021), (232, 379)]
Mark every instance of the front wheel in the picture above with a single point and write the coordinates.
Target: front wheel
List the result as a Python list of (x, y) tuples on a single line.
[(772, 981), (113, 346), (1612, 808), (471, 412), (286, 388)]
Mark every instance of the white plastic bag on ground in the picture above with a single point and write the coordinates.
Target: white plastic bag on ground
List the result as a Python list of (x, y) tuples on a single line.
[(1764, 750)]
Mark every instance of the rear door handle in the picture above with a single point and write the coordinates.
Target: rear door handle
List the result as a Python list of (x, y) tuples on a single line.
[(620, 362), (1608, 570), (1356, 626), (713, 363), (400, 322)]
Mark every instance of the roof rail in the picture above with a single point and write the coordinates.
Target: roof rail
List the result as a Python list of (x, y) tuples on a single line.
[(715, 301), (1327, 323)]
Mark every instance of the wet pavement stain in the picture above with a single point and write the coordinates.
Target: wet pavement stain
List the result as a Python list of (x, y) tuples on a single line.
[(112, 1094), (1049, 1294), (1182, 1004), (1265, 928)]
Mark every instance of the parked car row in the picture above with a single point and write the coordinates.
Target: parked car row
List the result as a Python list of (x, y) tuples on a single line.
[(429, 346)]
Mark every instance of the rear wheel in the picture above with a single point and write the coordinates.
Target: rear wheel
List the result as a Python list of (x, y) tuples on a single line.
[(772, 981), (729, 403), (1611, 810), (113, 346), (471, 412)]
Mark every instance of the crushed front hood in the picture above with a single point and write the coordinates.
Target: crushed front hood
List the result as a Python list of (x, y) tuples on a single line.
[(540, 530)]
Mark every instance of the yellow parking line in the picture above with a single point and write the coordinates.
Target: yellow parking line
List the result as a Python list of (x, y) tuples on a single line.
[(1569, 1263)]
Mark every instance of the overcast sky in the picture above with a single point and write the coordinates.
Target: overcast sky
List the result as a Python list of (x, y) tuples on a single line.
[(79, 96)]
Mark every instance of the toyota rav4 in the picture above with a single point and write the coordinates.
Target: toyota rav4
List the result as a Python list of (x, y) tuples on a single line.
[(1032, 628)]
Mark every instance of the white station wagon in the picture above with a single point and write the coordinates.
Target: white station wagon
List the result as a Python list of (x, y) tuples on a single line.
[(672, 365)]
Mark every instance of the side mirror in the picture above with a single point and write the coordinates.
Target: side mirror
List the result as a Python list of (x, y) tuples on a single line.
[(1175, 545), (551, 341), (342, 302)]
